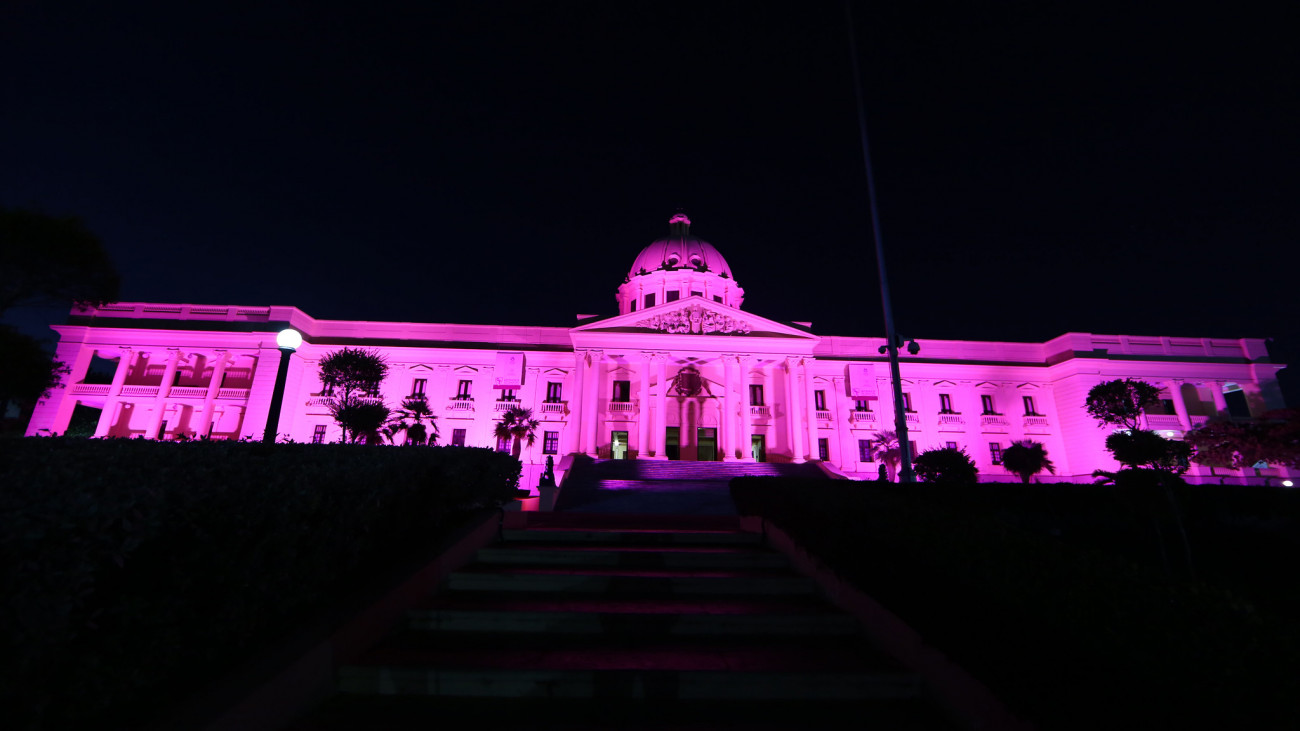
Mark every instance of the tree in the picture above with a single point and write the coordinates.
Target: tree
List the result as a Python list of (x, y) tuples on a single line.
[(518, 425), (353, 377), (52, 260), (410, 419), (27, 372), (1027, 458), (885, 449), (1239, 444), (1121, 402), (1142, 449), (946, 466)]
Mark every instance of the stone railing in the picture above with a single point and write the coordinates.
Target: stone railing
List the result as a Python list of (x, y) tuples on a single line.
[(1036, 424), (823, 415), (994, 422), (913, 419), (622, 407), (139, 390), (553, 407), (504, 406), (1163, 421), (234, 393), (319, 400), (1198, 420), (189, 392), (460, 404), (951, 422), (90, 389), (762, 411), (860, 417)]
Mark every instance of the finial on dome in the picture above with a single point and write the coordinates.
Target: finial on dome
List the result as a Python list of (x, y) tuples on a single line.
[(679, 225)]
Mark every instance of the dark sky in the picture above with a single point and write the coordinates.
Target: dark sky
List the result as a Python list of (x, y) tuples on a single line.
[(1042, 167)]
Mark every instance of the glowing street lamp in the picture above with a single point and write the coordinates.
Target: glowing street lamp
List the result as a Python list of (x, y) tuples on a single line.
[(287, 341)]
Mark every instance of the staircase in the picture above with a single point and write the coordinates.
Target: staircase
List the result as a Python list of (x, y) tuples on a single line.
[(663, 487), (599, 622)]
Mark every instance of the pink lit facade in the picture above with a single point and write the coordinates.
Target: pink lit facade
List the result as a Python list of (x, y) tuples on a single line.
[(681, 372)]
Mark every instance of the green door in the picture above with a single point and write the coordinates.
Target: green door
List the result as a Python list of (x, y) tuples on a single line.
[(758, 448), (706, 444), (618, 445), (672, 442)]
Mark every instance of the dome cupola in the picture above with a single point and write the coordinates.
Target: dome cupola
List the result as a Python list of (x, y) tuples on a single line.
[(676, 267)]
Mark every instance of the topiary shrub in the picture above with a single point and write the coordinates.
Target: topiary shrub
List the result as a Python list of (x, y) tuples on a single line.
[(947, 466)]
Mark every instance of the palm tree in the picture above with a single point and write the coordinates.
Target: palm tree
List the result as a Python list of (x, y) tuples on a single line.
[(1027, 458), (410, 419), (518, 425), (885, 448)]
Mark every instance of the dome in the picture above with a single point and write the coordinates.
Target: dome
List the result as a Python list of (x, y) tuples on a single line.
[(677, 267), (679, 250)]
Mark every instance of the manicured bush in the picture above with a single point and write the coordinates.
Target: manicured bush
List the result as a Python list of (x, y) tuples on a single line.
[(1007, 581), (131, 568)]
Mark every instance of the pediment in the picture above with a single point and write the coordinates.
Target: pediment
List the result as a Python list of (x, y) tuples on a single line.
[(464, 369), (695, 316)]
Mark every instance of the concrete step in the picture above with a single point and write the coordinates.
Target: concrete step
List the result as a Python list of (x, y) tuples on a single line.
[(645, 537), (629, 582), (638, 625), (631, 556)]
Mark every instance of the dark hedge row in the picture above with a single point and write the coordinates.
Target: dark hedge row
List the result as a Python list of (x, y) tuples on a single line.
[(1070, 633), (130, 569)]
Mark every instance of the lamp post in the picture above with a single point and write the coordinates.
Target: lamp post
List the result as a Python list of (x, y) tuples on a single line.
[(287, 341)]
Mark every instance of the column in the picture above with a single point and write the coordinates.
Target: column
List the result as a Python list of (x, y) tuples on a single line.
[(579, 386), (214, 388), (125, 359), (810, 406), (744, 363), (643, 410), (726, 432), (793, 409), (661, 404), (1180, 406), (1220, 403), (590, 399), (164, 390)]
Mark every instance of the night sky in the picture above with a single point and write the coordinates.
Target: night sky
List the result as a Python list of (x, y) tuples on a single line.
[(1042, 167)]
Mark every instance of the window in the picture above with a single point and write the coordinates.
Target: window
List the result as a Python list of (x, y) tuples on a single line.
[(756, 394), (864, 451), (697, 294), (861, 405), (457, 437), (819, 400), (622, 391), (550, 442), (907, 402), (950, 445), (633, 303), (318, 436), (176, 377), (462, 389), (503, 444), (507, 394), (986, 402), (824, 449), (553, 391), (1030, 410), (945, 404), (911, 444), (650, 300), (672, 296), (417, 386), (162, 430), (717, 298), (995, 451)]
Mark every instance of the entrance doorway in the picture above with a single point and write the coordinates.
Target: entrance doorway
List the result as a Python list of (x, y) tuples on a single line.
[(758, 447), (673, 442), (706, 449), (618, 445)]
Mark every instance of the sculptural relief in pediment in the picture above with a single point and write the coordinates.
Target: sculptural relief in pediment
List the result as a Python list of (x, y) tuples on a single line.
[(695, 320)]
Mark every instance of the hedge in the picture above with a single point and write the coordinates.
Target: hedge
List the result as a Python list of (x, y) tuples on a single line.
[(1068, 635), (133, 570)]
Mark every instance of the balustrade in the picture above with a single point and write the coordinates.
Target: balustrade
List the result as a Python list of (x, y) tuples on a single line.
[(951, 422), (1163, 421), (189, 392), (90, 389), (553, 407), (760, 411), (139, 390), (913, 419), (823, 415), (858, 417), (233, 393), (1198, 420), (622, 407), (460, 405), (994, 422), (1036, 424)]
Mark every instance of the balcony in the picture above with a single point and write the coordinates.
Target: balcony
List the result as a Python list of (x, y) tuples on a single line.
[(952, 422), (995, 423), (1199, 420), (823, 415), (148, 391), (461, 404), (189, 392), (760, 411), (90, 389), (504, 406), (622, 407), (1036, 424), (862, 417), (913, 420), (319, 400), (554, 407), (1163, 421), (232, 393)]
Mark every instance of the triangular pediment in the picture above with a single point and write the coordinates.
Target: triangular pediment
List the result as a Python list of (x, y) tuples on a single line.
[(695, 316)]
